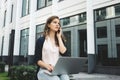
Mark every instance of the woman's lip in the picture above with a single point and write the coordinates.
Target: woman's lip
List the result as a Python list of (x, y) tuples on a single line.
[(57, 27)]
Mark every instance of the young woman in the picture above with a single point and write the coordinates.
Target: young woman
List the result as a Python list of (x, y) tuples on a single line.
[(48, 49)]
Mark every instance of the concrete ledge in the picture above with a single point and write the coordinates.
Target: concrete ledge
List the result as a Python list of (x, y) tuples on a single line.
[(95, 76)]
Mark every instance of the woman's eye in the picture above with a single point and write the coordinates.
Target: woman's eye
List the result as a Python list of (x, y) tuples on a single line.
[(54, 22)]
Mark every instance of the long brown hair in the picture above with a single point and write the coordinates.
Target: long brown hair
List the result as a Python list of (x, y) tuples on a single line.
[(47, 29)]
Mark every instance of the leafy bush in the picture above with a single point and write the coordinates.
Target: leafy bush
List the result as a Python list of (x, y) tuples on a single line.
[(23, 72), (2, 67)]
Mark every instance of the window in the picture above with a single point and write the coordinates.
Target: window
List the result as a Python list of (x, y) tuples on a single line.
[(43, 3), (117, 30), (24, 39), (65, 21), (100, 14), (49, 2), (25, 7), (4, 19), (82, 17), (11, 14), (74, 19), (102, 32), (39, 30), (117, 10), (40, 4)]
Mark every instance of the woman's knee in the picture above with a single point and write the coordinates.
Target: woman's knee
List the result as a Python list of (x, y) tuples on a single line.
[(64, 77), (55, 78)]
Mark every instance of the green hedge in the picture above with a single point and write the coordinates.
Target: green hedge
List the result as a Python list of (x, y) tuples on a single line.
[(23, 72), (2, 67)]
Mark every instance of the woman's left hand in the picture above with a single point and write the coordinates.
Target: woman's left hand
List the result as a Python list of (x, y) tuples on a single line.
[(59, 33)]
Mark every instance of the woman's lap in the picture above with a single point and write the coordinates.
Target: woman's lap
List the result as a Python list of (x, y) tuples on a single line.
[(43, 76)]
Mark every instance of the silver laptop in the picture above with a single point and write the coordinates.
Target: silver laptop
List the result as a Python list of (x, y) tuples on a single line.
[(68, 65)]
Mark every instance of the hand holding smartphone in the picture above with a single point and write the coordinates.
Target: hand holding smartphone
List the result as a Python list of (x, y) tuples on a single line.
[(58, 31)]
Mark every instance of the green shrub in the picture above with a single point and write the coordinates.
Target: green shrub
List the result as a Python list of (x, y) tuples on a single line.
[(23, 72), (2, 67)]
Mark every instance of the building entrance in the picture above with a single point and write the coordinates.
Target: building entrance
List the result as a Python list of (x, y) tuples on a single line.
[(108, 42)]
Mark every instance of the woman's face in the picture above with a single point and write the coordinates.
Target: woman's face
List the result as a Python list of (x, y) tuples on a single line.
[(54, 25)]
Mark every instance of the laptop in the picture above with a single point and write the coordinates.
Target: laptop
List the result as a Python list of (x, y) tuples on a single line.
[(68, 65)]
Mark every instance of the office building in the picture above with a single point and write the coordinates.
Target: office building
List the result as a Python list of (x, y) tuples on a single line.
[(91, 27)]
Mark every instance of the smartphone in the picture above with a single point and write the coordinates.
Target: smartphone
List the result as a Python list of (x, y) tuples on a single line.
[(58, 31)]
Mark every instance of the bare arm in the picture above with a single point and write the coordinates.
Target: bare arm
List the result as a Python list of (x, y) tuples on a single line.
[(44, 65), (62, 47)]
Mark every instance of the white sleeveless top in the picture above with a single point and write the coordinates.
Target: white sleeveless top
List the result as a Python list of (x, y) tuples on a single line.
[(50, 52)]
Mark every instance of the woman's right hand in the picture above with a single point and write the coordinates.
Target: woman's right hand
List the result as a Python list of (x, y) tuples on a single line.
[(49, 67)]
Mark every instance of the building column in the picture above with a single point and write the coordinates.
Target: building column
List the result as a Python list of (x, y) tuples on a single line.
[(32, 31), (90, 37), (17, 33), (6, 33)]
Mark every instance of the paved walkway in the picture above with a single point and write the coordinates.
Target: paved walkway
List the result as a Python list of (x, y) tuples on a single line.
[(94, 76)]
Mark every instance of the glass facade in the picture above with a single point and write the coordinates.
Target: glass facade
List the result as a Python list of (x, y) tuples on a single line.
[(107, 28), (76, 42), (72, 20), (107, 12)]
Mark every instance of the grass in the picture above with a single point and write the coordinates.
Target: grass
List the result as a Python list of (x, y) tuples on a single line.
[(4, 76)]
